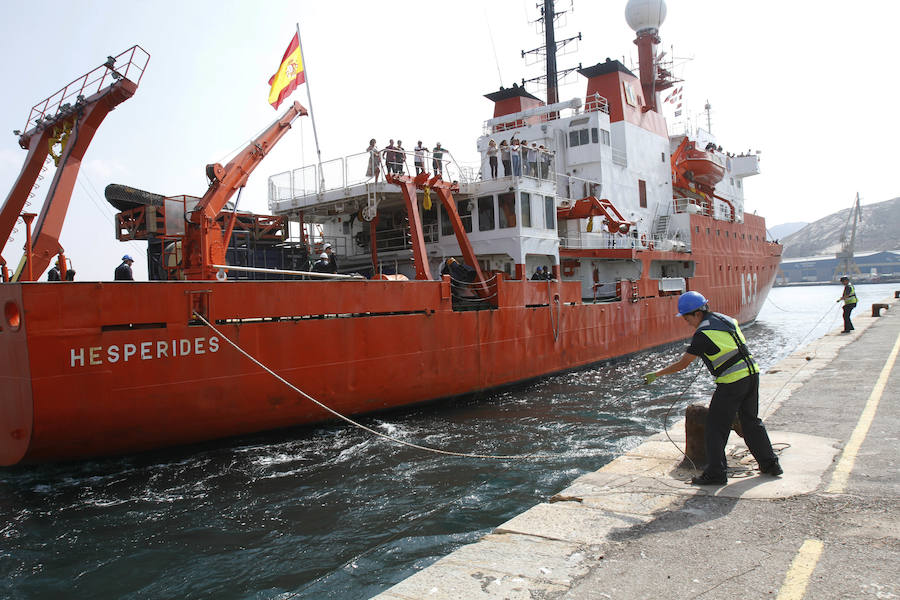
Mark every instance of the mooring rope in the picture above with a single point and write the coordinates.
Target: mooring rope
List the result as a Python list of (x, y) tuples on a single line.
[(808, 358), (355, 423)]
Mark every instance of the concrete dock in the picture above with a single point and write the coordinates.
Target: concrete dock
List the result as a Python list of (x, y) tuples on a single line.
[(828, 528)]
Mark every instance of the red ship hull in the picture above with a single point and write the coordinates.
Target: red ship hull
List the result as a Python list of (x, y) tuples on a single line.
[(90, 369)]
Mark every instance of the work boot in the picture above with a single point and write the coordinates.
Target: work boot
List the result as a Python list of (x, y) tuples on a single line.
[(707, 479), (774, 469)]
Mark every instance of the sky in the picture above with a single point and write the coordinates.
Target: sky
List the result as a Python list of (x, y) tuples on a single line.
[(808, 84)]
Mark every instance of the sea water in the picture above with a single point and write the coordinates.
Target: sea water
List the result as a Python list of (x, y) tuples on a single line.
[(333, 512)]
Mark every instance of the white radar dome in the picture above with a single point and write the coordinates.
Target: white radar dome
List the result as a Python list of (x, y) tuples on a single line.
[(645, 14)]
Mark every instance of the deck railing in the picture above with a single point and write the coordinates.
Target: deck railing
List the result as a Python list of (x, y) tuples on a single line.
[(361, 168), (129, 65)]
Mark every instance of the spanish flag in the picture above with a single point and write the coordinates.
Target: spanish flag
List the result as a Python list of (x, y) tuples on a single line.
[(290, 74)]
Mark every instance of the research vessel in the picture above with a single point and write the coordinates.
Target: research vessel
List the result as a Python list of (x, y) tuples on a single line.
[(572, 254)]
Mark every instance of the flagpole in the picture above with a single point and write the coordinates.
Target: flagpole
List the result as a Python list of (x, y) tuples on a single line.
[(312, 113)]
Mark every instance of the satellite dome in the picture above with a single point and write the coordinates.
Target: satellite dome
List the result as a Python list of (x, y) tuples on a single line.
[(642, 15)]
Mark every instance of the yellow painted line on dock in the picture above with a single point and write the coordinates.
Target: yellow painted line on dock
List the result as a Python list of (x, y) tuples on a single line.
[(797, 577), (848, 457)]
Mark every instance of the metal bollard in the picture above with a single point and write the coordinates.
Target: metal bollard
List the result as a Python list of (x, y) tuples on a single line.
[(695, 430), (876, 309)]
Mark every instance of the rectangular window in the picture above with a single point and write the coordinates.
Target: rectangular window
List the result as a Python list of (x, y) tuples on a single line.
[(594, 134), (463, 207), (583, 136), (446, 227), (573, 139), (549, 213), (604, 136), (662, 157), (642, 192), (507, 204), (485, 213), (526, 209)]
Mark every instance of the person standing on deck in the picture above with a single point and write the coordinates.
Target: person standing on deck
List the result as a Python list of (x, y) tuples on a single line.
[(504, 158), (492, 158), (419, 154), (328, 251), (390, 157), (516, 157), (53, 274), (718, 340), (123, 271), (399, 157), (849, 298), (437, 159), (374, 167), (532, 153)]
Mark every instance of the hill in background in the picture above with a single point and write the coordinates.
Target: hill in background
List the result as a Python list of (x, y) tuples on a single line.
[(785, 229), (879, 230)]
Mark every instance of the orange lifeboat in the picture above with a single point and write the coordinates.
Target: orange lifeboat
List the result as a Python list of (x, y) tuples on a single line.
[(704, 167)]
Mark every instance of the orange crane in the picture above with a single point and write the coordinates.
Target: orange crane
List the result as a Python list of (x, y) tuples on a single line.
[(205, 242), (62, 127)]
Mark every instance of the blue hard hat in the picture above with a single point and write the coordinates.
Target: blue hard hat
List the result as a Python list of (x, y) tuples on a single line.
[(688, 302), (128, 257)]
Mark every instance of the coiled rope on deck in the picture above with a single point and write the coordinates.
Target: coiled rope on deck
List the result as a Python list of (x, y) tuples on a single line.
[(355, 423)]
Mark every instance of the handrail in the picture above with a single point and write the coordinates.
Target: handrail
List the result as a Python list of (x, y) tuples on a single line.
[(353, 169), (126, 65), (223, 268)]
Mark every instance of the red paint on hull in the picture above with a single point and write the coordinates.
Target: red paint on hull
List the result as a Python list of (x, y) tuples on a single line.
[(357, 346)]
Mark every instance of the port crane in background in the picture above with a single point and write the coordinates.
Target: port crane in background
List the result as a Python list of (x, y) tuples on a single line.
[(846, 265)]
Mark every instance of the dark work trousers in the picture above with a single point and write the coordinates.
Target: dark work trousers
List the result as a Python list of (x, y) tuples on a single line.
[(741, 397), (848, 324)]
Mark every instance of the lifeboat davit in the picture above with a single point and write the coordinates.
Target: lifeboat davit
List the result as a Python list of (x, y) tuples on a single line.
[(706, 167)]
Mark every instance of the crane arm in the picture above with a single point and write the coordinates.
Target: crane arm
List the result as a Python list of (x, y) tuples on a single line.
[(225, 181)]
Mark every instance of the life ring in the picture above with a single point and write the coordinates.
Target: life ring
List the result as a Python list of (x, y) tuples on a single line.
[(650, 246), (644, 240)]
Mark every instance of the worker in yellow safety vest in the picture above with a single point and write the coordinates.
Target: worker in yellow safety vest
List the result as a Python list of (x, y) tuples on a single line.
[(718, 340), (849, 298)]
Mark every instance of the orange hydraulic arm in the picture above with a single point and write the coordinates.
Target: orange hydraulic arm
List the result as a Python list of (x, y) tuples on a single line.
[(67, 119), (204, 241), (444, 189), (595, 207)]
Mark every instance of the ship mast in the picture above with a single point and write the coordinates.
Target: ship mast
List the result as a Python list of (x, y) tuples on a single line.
[(549, 49)]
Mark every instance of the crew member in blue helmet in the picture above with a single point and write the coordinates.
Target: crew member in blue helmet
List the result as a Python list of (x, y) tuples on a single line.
[(718, 340), (123, 271), (849, 298)]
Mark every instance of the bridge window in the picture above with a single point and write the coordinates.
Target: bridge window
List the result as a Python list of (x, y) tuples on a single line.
[(507, 213), (526, 209), (604, 137), (486, 213), (580, 137)]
